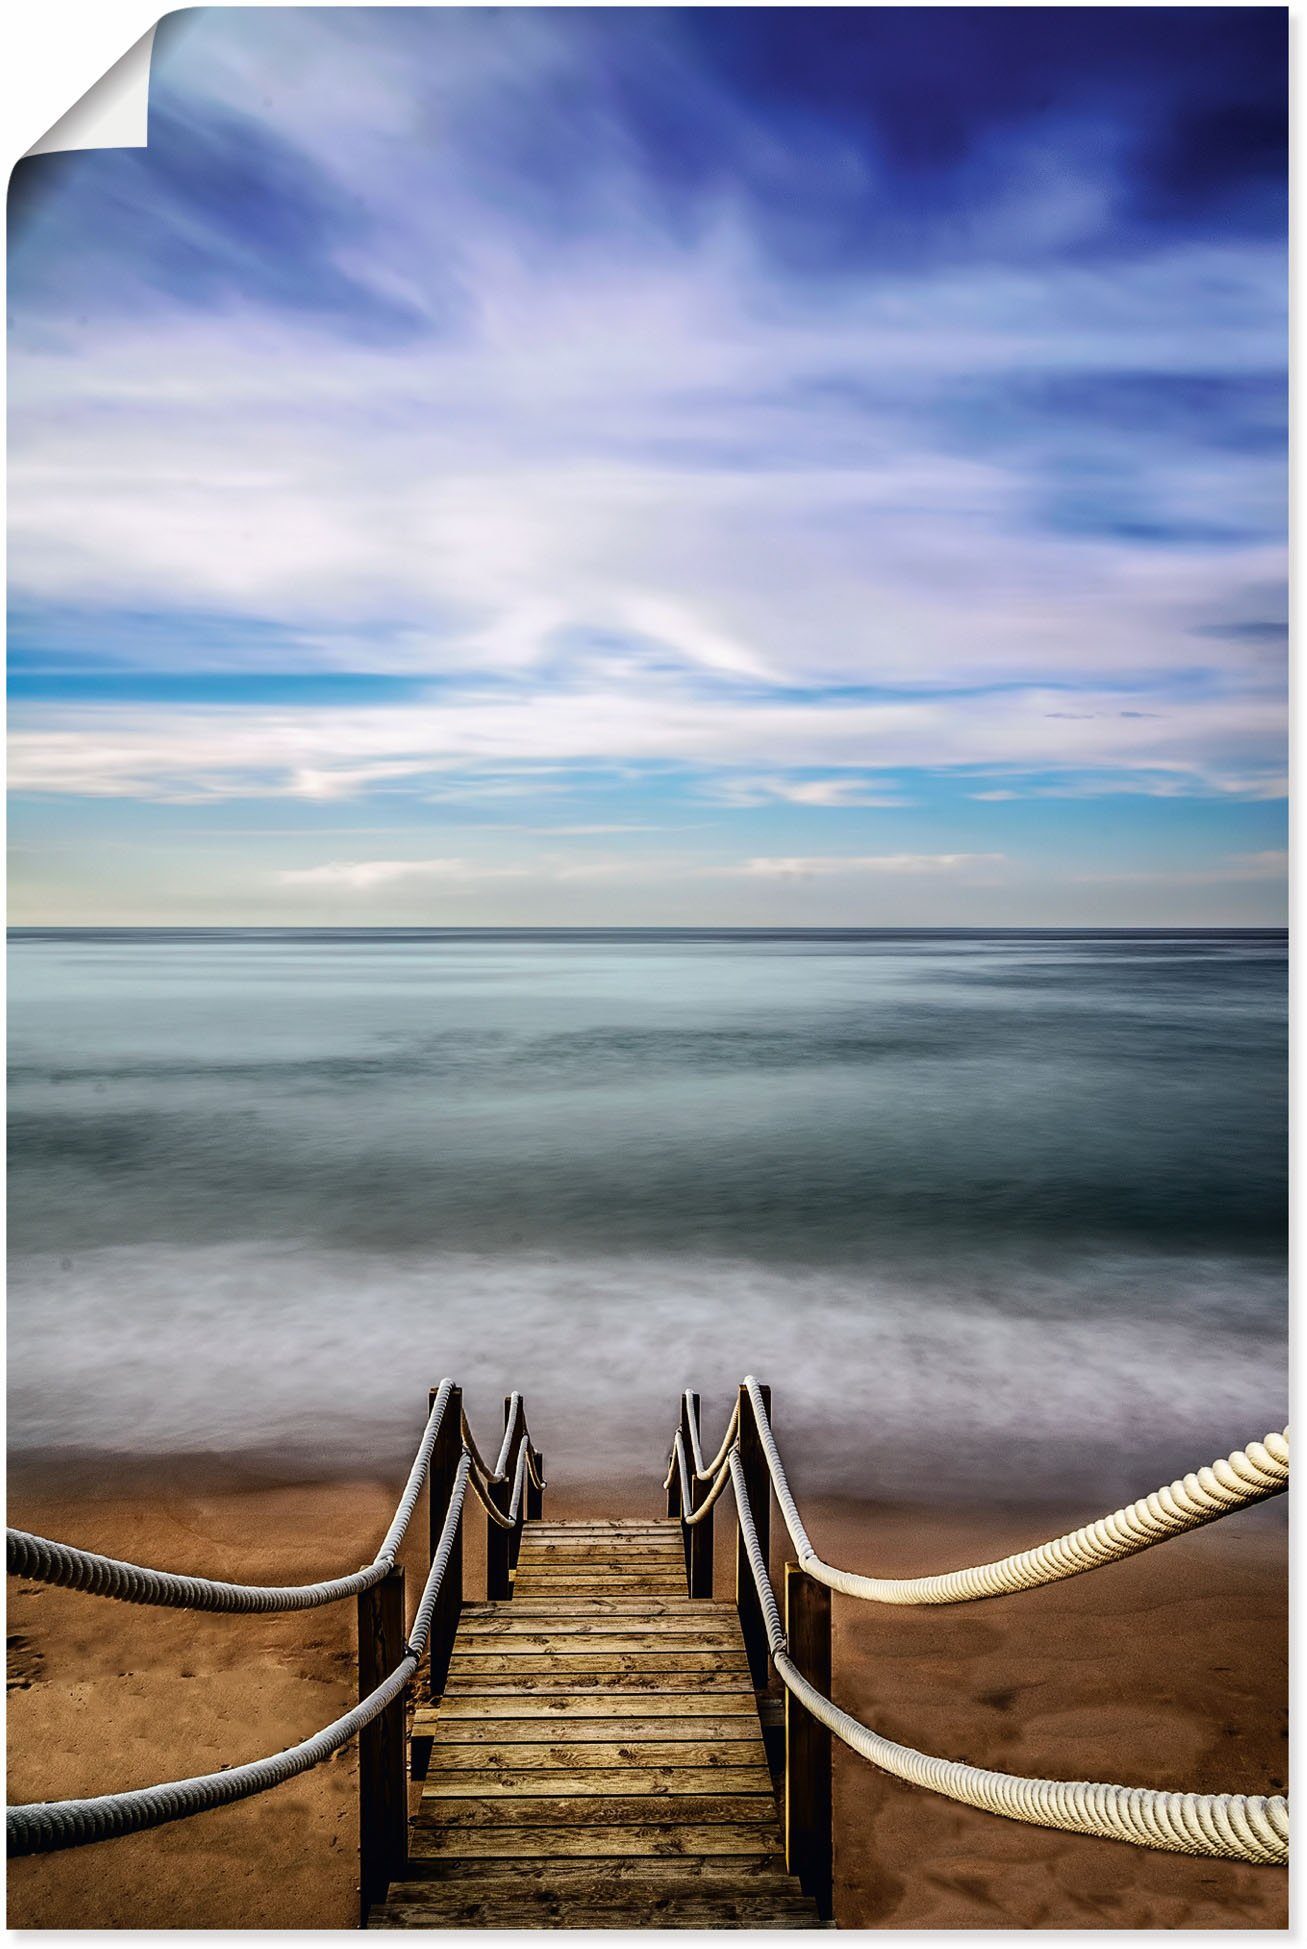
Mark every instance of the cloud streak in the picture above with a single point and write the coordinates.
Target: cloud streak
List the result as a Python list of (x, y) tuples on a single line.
[(647, 406)]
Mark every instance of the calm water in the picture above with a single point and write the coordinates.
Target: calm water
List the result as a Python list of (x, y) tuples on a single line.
[(974, 1204)]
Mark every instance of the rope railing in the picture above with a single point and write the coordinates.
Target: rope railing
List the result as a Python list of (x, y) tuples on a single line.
[(509, 1518), (680, 1467), (44, 1827), (1231, 1826), (43, 1560), (1249, 1475)]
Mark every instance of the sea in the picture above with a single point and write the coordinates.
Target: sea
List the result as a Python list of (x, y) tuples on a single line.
[(998, 1215)]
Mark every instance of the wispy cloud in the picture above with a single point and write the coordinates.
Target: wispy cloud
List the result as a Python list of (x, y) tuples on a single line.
[(733, 434), (835, 865)]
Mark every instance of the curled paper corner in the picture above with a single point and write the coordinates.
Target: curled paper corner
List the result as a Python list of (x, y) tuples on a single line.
[(113, 114)]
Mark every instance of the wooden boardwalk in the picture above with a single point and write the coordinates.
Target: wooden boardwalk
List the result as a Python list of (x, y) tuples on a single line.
[(597, 1759)]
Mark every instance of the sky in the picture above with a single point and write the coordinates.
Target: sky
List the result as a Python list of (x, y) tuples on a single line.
[(636, 467)]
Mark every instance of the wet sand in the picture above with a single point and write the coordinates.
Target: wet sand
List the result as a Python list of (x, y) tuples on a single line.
[(1169, 1670)]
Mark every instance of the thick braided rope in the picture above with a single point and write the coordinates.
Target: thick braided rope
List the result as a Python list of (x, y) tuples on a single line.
[(1232, 1826), (47, 1826), (704, 1471), (45, 1561), (701, 1471), (1249, 1475), (469, 1443), (722, 1478), (482, 1494), (511, 1420)]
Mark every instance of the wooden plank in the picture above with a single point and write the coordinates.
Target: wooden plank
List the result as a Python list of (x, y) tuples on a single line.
[(596, 1552), (615, 1580), (577, 1587), (580, 1810), (471, 1914), (668, 1914), (711, 1630), (537, 1645), (562, 1707), (731, 1738), (594, 1879), (730, 1838), (601, 1604), (694, 1752), (624, 1781), (639, 1681), (604, 1525), (474, 1664)]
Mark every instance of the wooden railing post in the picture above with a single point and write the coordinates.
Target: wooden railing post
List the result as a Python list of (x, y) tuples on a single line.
[(757, 1485), (499, 1541), (673, 1486), (383, 1773), (683, 1426), (445, 1458), (807, 1741), (535, 1498), (514, 1457), (698, 1540)]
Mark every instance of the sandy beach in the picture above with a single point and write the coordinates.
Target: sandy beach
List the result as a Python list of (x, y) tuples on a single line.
[(1169, 1670)]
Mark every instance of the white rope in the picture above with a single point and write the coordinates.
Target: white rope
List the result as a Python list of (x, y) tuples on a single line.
[(1249, 1475), (43, 1560), (722, 1478), (1231, 1826), (510, 1428), (482, 1494), (704, 1471), (46, 1826)]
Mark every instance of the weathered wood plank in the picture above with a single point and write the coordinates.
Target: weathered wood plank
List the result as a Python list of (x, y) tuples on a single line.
[(625, 1781), (560, 1587), (632, 1708), (491, 1752), (440, 1811), (594, 1878), (556, 1681), (474, 1664), (710, 1631), (604, 1605), (671, 1914), (597, 1840), (534, 1646)]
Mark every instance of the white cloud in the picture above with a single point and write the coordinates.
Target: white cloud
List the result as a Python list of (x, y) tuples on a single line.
[(177, 753), (840, 793), (836, 865), (363, 875)]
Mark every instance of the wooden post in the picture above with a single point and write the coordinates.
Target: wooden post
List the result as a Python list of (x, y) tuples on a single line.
[(757, 1485), (535, 1498), (674, 1487), (514, 1457), (699, 1541), (445, 1458), (682, 1511), (807, 1741), (499, 1541), (383, 1774)]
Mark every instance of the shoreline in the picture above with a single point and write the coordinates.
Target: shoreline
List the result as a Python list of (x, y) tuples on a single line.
[(1168, 1669)]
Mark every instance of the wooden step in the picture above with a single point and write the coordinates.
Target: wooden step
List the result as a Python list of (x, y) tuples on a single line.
[(596, 1760)]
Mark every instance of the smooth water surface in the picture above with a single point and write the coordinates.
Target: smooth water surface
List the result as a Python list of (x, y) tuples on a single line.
[(991, 1212)]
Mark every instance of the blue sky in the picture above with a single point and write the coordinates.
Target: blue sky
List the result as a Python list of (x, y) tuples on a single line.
[(617, 467)]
